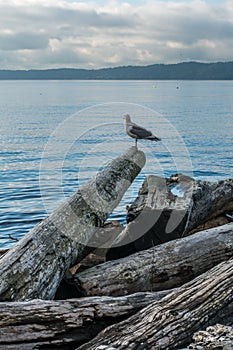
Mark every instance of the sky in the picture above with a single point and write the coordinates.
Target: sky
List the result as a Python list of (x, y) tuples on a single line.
[(41, 34)]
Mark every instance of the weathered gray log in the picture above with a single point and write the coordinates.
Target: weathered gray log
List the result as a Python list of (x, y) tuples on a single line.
[(65, 323), (34, 267), (164, 266), (210, 202), (170, 323), (167, 209)]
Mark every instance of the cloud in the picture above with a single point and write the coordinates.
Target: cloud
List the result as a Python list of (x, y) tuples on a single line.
[(23, 41), (59, 33)]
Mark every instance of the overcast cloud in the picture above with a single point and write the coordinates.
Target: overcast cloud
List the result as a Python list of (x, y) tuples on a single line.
[(58, 33)]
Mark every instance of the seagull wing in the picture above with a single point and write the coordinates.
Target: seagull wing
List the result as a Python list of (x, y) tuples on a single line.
[(140, 132)]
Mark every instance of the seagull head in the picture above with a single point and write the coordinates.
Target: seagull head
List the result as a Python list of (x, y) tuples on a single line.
[(127, 118)]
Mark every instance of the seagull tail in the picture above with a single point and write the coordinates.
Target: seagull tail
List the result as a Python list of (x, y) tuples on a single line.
[(155, 138)]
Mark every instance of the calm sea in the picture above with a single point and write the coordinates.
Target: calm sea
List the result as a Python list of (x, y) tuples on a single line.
[(55, 135)]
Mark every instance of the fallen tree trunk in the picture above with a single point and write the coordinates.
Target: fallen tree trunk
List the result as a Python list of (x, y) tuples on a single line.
[(164, 266), (34, 267), (167, 209), (65, 324), (171, 322)]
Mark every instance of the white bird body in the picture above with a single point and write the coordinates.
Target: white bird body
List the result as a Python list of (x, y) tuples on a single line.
[(138, 132)]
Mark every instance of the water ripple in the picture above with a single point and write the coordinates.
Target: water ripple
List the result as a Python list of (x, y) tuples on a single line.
[(201, 112)]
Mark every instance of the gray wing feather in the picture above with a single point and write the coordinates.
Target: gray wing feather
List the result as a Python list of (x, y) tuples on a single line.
[(140, 132)]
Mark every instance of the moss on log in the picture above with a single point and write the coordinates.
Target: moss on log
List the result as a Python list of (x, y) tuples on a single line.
[(34, 267)]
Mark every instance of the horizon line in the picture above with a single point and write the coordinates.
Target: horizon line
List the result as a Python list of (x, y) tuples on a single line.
[(114, 67)]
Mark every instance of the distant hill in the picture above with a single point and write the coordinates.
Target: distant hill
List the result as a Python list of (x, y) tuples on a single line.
[(179, 71)]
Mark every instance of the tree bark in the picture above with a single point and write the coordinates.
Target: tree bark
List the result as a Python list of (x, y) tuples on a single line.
[(171, 322), (34, 267), (164, 266), (167, 209), (65, 324)]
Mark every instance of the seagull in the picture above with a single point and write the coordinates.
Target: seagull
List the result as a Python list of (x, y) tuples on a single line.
[(138, 132)]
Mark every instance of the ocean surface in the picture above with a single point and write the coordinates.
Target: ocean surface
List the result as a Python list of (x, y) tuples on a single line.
[(55, 135)]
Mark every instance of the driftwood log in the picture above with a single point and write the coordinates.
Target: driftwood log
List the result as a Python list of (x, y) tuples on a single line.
[(170, 323), (164, 266), (34, 267), (65, 324), (167, 209)]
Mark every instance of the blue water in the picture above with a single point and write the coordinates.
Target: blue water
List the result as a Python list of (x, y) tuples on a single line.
[(55, 135)]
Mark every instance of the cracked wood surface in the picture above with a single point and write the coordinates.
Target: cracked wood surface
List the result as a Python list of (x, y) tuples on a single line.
[(164, 266), (170, 323), (34, 267), (167, 209), (66, 324)]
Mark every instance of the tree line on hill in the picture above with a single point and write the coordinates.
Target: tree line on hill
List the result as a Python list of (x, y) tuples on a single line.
[(178, 71)]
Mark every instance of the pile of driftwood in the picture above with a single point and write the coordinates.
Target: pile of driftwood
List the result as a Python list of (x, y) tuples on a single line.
[(150, 285)]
